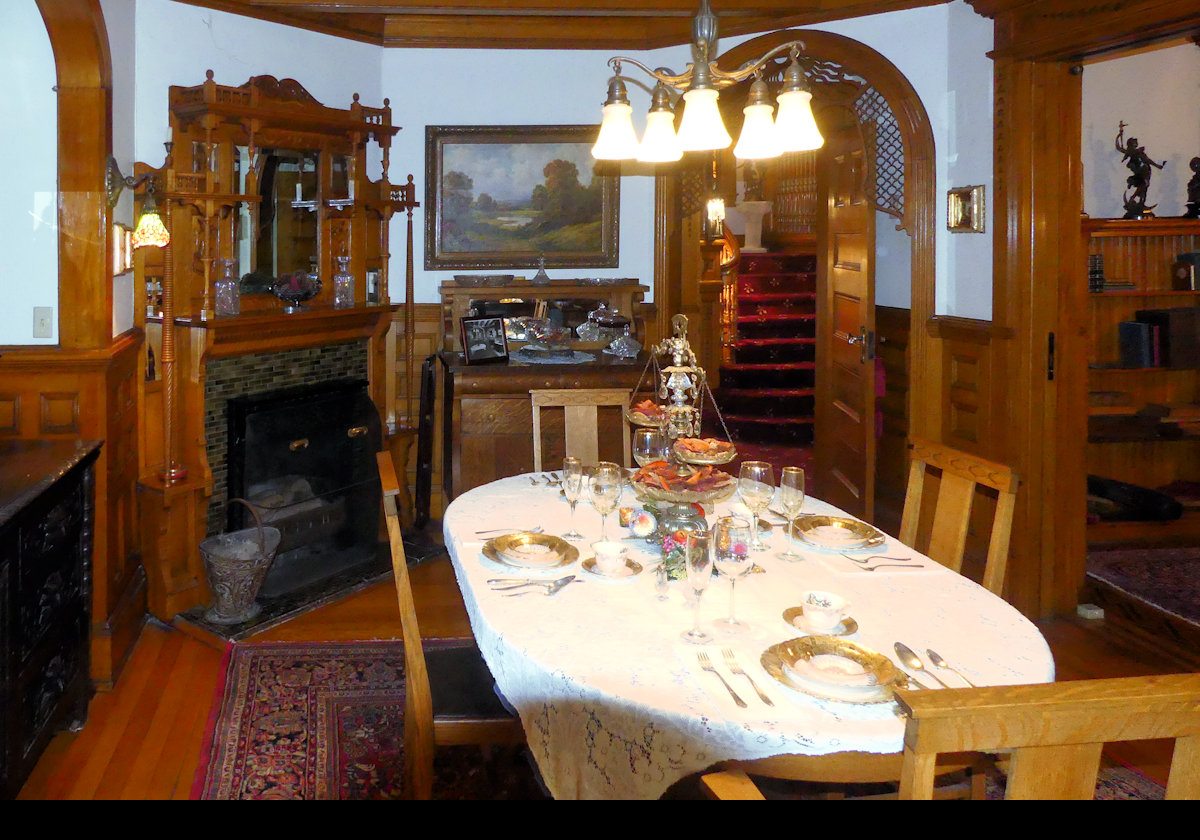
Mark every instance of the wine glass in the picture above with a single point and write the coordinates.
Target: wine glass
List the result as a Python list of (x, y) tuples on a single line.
[(604, 489), (649, 445), (756, 486), (572, 486), (698, 560), (731, 554), (791, 500)]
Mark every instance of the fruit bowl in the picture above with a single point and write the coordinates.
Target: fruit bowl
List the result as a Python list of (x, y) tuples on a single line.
[(296, 288)]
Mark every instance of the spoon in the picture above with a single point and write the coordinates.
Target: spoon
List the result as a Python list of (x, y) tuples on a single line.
[(938, 662), (909, 658)]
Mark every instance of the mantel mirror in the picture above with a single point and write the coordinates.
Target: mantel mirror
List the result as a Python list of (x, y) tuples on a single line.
[(264, 182)]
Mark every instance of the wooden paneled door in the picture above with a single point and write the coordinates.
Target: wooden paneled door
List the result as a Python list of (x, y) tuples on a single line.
[(844, 432)]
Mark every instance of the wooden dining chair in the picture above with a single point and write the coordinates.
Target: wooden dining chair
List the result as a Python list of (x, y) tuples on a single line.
[(1054, 734), (961, 475), (449, 696), (581, 414)]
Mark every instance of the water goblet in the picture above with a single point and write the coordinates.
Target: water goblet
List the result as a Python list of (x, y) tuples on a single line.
[(649, 445), (791, 500), (698, 560), (604, 489), (731, 555), (756, 486), (572, 487)]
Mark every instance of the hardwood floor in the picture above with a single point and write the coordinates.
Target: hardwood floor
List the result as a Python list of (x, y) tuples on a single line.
[(143, 738)]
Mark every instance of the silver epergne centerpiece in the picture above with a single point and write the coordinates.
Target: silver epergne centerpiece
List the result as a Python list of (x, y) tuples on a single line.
[(688, 476)]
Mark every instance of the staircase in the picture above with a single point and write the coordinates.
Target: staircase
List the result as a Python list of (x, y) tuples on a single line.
[(766, 385)]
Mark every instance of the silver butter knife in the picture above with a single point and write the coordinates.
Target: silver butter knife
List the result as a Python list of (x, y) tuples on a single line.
[(525, 590)]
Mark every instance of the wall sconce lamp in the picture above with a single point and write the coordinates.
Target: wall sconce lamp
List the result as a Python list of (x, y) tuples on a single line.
[(150, 229)]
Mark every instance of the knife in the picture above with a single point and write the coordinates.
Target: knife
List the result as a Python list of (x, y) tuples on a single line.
[(516, 583), (550, 589)]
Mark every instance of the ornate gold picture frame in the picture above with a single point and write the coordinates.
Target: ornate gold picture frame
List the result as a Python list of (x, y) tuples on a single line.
[(966, 209)]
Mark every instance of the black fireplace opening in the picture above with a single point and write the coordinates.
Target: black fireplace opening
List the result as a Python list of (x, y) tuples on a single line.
[(304, 458)]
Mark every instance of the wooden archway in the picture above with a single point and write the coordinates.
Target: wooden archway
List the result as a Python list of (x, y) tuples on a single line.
[(84, 71)]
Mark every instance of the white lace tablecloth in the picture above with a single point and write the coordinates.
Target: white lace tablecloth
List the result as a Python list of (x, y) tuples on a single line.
[(613, 702)]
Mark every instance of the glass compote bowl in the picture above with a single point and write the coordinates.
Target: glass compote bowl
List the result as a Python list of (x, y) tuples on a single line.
[(756, 486), (296, 288), (791, 501), (731, 554), (604, 489)]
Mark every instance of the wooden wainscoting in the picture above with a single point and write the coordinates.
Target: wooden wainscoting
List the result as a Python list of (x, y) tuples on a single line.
[(57, 393)]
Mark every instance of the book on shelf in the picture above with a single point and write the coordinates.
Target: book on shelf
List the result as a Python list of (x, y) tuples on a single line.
[(1174, 335), (1134, 338)]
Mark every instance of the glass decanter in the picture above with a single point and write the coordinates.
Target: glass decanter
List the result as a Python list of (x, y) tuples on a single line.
[(343, 285), (228, 297)]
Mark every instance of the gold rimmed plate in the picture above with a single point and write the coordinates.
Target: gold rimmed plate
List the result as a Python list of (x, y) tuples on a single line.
[(794, 616), (833, 668), (530, 552), (836, 533)]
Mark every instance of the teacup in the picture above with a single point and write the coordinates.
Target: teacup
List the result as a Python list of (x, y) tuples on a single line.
[(610, 557), (823, 611)]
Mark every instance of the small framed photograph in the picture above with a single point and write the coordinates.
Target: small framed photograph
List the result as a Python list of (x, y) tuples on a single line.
[(483, 340), (966, 209), (1183, 276)]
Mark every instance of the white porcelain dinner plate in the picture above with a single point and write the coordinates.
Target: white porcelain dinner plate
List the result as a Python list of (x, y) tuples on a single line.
[(530, 552), (833, 669)]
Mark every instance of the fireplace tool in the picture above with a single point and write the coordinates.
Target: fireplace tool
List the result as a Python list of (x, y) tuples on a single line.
[(237, 564)]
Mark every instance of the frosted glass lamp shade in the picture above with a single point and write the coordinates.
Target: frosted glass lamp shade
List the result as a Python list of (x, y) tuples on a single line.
[(701, 129), (659, 143), (795, 127), (758, 139), (617, 140)]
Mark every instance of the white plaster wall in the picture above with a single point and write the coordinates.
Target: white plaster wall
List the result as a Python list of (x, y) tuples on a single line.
[(29, 147), (505, 87), (177, 44), (1156, 94), (119, 21)]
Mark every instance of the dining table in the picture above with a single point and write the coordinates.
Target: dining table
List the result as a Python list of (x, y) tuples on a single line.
[(615, 704)]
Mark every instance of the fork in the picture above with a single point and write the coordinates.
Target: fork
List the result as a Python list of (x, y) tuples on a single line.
[(706, 664), (536, 530), (737, 670), (862, 561), (887, 566)]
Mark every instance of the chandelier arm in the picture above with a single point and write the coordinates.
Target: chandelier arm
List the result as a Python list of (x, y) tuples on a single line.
[(662, 74), (725, 78)]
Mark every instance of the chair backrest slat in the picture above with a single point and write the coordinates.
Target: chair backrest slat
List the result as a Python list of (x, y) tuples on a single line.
[(581, 420)]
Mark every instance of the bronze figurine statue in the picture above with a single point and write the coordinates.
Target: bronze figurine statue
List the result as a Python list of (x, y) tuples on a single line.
[(1193, 191), (1138, 182)]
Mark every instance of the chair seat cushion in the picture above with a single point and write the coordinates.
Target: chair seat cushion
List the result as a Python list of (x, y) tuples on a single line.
[(461, 684)]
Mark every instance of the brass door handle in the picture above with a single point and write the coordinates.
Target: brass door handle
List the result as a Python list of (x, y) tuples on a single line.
[(302, 443), (356, 431)]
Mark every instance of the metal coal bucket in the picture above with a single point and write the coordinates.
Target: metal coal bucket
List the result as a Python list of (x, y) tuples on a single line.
[(236, 564)]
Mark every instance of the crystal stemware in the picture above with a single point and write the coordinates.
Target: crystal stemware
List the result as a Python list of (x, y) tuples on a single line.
[(791, 500), (572, 487), (698, 560), (756, 486), (604, 489), (649, 445), (731, 554)]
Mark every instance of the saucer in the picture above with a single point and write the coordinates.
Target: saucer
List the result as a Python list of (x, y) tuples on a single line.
[(631, 570), (794, 616)]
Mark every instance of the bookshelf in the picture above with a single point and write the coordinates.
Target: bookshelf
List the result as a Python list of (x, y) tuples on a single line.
[(1141, 417)]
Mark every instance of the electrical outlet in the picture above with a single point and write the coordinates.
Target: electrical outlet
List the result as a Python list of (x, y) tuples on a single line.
[(43, 321)]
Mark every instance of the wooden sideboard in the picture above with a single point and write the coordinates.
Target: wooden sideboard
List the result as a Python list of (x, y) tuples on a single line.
[(488, 417), (46, 528), (622, 294)]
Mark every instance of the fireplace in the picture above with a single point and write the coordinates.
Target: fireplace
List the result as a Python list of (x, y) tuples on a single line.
[(304, 457)]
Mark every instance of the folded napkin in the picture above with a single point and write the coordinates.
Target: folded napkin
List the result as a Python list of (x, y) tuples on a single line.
[(832, 670)]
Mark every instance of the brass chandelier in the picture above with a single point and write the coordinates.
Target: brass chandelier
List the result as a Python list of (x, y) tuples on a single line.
[(764, 133)]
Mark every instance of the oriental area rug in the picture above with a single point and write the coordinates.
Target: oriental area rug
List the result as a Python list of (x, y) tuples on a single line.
[(298, 721), (326, 721)]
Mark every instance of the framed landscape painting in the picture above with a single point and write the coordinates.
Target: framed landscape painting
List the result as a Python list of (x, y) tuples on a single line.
[(505, 196)]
